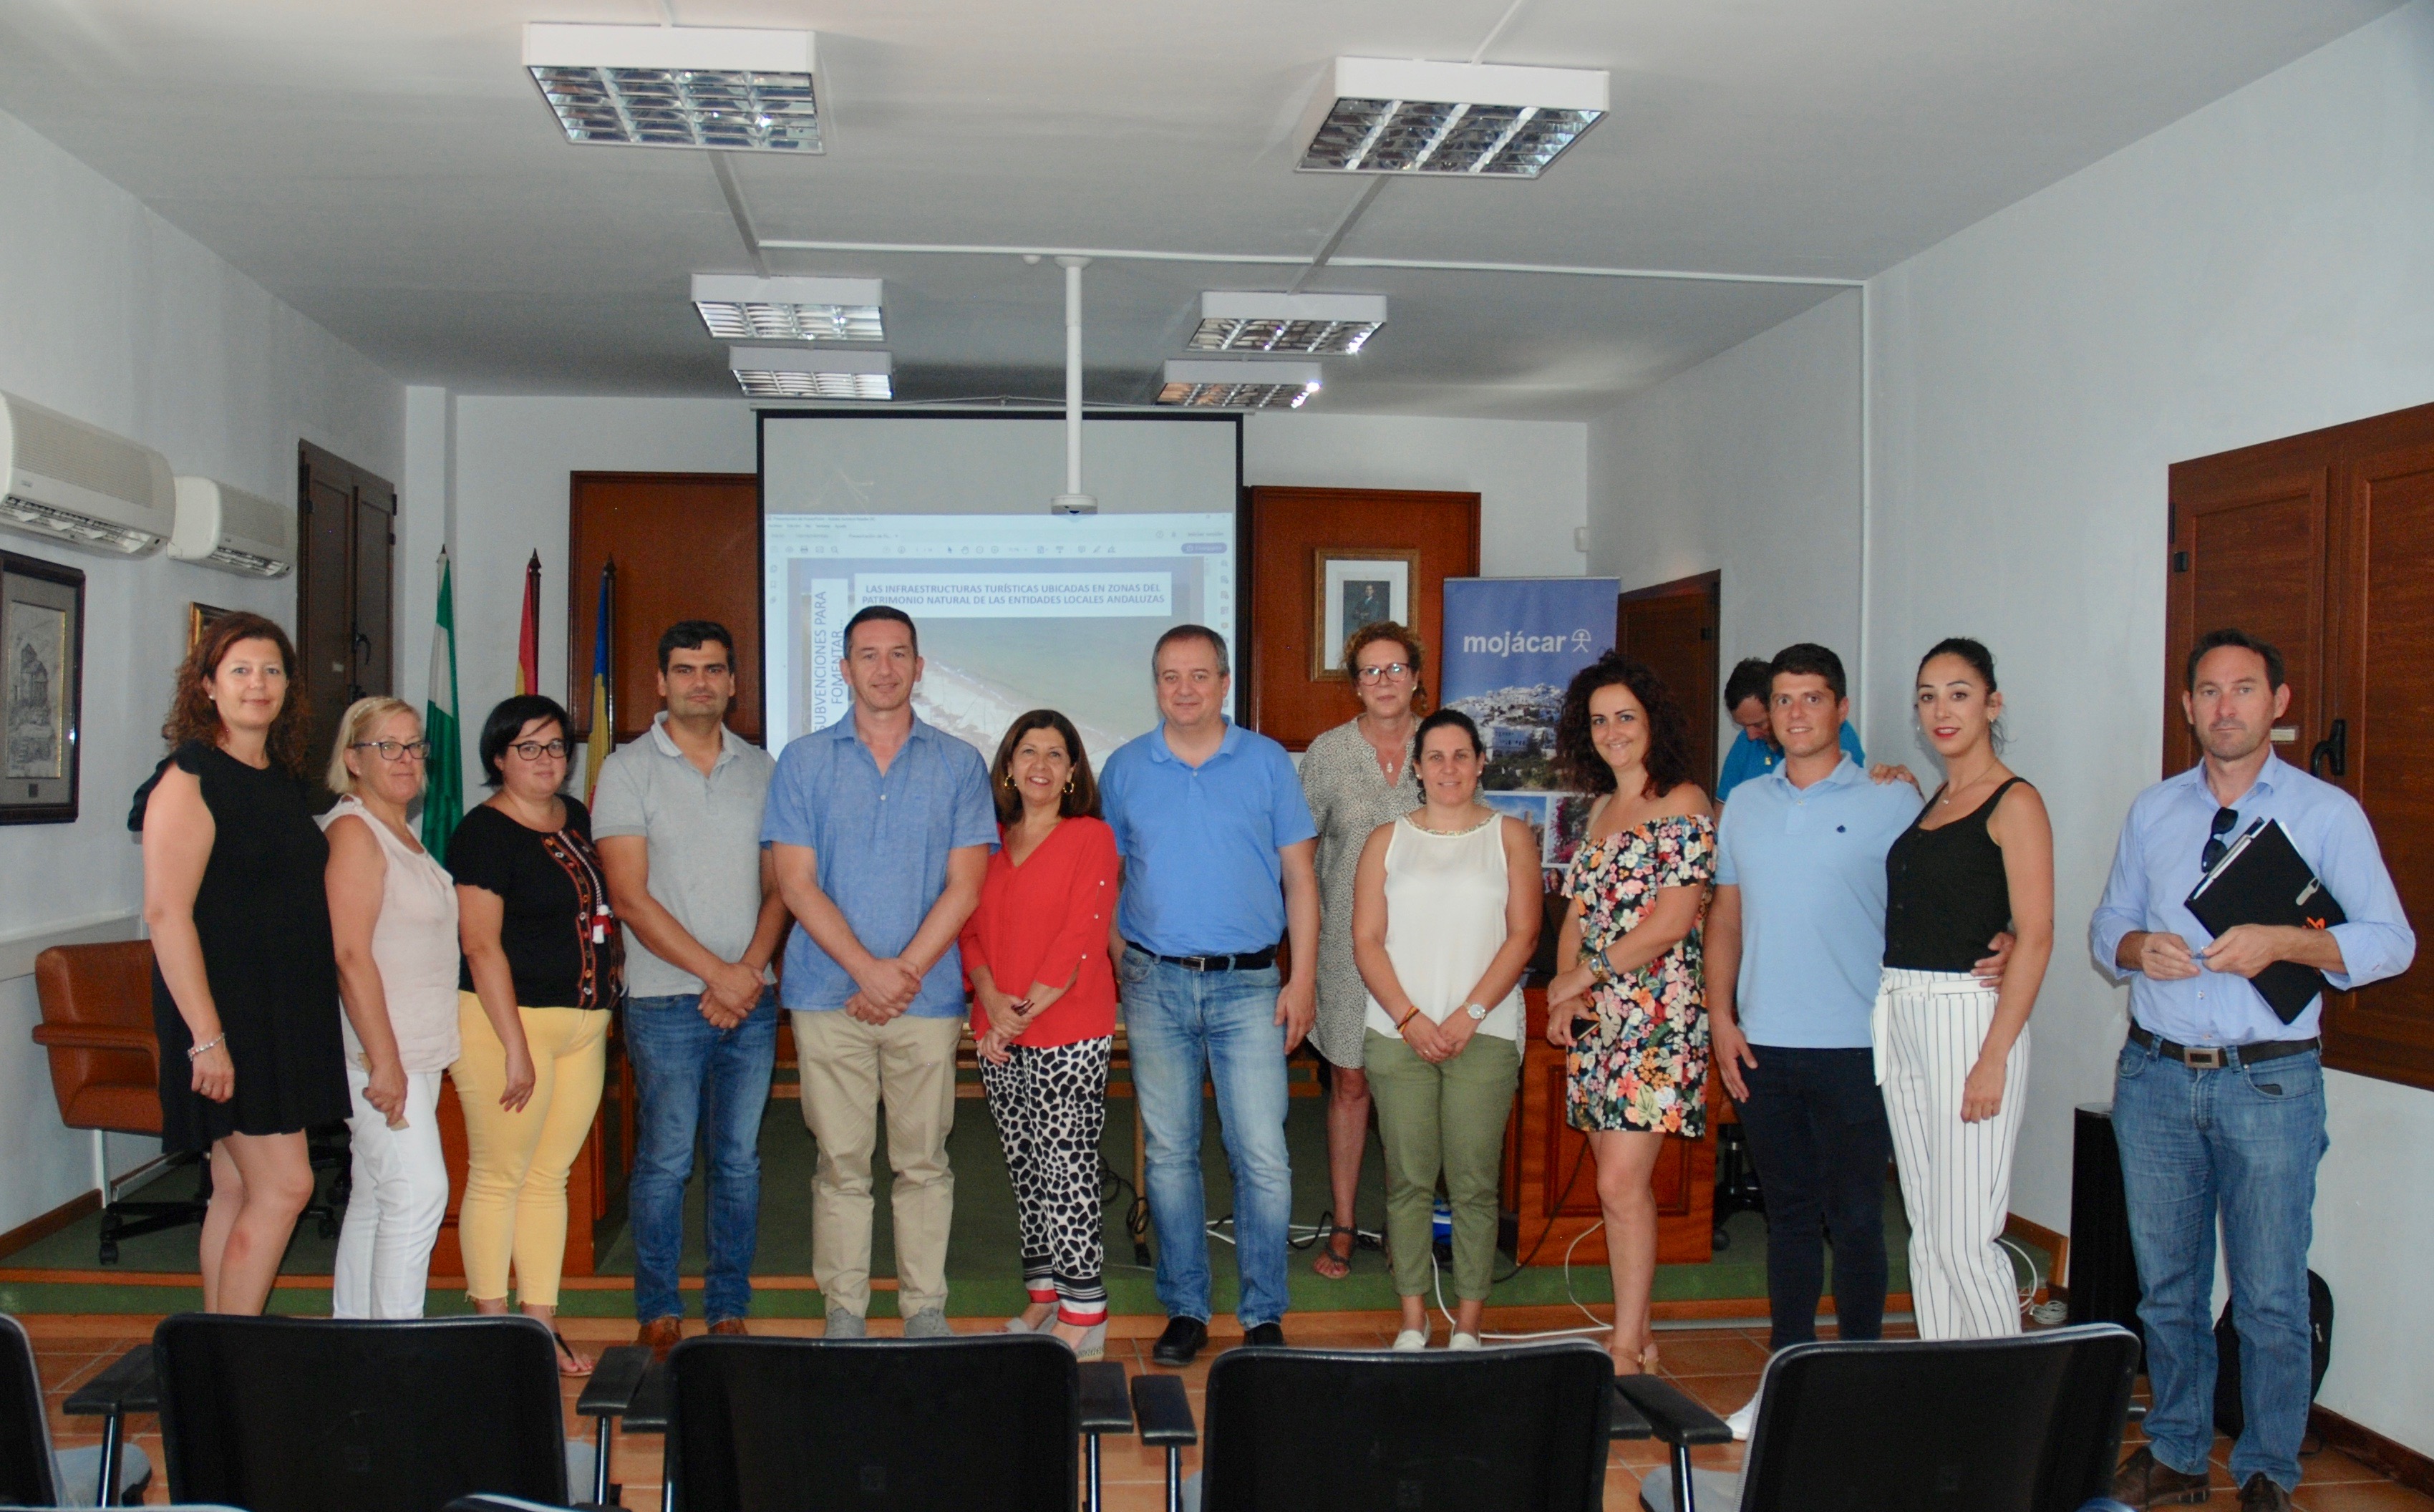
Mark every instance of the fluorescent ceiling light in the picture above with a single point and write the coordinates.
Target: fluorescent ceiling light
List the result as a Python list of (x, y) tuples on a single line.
[(809, 373), (720, 87), (738, 307), (1240, 385), (1384, 115), (1287, 322)]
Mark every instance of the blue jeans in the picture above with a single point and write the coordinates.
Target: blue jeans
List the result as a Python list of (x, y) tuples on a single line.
[(1177, 1021), (697, 1078), (2242, 1141)]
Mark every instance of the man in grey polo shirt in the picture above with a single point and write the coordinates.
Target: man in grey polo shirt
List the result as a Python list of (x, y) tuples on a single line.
[(676, 816)]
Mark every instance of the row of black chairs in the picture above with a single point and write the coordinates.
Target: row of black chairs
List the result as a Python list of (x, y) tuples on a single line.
[(292, 1415)]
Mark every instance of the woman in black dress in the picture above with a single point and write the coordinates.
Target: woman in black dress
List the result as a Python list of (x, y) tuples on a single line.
[(245, 983)]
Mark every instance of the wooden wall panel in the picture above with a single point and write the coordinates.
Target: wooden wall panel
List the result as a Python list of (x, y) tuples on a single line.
[(1287, 528), (1673, 627), (686, 546)]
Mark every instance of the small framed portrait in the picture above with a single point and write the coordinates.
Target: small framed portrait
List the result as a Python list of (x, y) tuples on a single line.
[(1351, 589), (41, 689), (199, 619)]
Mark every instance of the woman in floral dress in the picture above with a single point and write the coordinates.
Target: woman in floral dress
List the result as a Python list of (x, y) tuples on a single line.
[(1631, 1007)]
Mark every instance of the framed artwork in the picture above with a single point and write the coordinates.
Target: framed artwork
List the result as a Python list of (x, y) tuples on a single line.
[(199, 619), (41, 689), (1351, 587)]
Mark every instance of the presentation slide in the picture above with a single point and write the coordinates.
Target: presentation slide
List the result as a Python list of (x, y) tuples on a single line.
[(946, 518)]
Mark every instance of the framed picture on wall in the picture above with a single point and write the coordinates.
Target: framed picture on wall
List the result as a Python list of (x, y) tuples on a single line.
[(1351, 587), (199, 619), (41, 689)]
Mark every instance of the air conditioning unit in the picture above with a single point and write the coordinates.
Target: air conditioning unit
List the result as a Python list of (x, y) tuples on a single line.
[(233, 530), (74, 482)]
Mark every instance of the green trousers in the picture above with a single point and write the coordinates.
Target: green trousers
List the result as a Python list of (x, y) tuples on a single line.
[(1444, 1119)]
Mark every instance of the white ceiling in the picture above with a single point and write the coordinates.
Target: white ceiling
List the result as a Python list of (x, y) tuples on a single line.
[(388, 169)]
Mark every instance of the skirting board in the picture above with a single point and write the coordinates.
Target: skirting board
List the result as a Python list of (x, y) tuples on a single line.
[(2363, 1444), (50, 1223), (2058, 1245)]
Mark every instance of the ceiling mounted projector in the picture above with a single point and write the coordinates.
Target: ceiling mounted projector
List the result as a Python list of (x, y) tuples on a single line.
[(739, 307), (730, 88), (1313, 323), (807, 372), (1388, 115), (1240, 385)]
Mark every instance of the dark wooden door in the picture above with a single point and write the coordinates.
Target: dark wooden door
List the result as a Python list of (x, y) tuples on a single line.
[(344, 590), (686, 546), (1672, 627), (2248, 546)]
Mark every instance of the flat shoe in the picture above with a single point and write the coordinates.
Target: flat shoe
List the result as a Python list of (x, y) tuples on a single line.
[(1411, 1341), (1092, 1345), (1464, 1341)]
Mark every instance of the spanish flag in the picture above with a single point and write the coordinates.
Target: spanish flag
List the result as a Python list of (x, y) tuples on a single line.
[(604, 699), (528, 632)]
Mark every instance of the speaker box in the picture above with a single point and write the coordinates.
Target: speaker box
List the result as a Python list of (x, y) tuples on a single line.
[(2103, 1268)]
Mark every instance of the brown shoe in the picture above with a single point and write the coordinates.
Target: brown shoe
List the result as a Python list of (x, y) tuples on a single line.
[(730, 1326), (2145, 1481), (659, 1335), (2262, 1495)]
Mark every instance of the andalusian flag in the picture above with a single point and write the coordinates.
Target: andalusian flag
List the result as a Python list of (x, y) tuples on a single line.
[(604, 704), (528, 632), (443, 791)]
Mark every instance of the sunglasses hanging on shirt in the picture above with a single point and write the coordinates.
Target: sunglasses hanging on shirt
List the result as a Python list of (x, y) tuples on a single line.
[(2216, 845)]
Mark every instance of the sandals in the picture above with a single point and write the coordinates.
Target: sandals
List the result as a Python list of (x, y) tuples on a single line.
[(1329, 1264), (569, 1363)]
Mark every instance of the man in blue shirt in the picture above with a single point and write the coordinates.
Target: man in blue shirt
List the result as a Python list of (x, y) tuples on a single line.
[(2218, 1103), (1754, 752), (1219, 849), (879, 827)]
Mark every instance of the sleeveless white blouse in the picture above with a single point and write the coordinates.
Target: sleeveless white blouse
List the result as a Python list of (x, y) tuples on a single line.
[(1446, 896), (413, 945)]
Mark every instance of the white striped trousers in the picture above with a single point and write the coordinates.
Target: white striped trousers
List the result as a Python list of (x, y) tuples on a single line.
[(1956, 1177)]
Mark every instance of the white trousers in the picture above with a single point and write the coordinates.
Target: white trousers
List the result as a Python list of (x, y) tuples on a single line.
[(400, 1194), (1956, 1177)]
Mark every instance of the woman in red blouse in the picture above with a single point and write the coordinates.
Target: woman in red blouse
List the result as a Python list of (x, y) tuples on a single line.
[(1041, 932)]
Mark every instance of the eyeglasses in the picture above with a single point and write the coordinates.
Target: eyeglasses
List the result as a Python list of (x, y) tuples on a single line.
[(2216, 846), (533, 750), (1382, 672), (395, 751)]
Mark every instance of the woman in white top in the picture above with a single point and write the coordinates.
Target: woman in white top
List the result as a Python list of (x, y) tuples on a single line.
[(393, 918), (1445, 914)]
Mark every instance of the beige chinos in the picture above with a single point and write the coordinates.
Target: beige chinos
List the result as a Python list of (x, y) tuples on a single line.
[(849, 1069)]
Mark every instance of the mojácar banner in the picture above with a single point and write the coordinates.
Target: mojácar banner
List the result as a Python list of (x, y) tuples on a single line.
[(1510, 647)]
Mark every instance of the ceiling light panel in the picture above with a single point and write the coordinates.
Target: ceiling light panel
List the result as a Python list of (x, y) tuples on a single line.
[(1318, 324), (1492, 120), (1240, 385), (728, 88), (807, 372), (737, 307)]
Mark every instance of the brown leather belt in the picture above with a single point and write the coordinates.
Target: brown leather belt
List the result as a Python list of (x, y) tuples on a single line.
[(2214, 1058)]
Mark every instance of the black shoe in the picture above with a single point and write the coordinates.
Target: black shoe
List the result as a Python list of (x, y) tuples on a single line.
[(1266, 1336), (2144, 1481), (2261, 1494), (1182, 1338)]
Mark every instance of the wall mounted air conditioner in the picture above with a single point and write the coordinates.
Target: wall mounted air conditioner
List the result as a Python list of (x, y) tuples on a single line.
[(74, 482), (232, 530)]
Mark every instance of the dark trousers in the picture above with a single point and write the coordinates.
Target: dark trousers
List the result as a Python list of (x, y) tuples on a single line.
[(1817, 1130)]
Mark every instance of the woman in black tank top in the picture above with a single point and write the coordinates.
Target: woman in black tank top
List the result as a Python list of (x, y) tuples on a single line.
[(1952, 1052)]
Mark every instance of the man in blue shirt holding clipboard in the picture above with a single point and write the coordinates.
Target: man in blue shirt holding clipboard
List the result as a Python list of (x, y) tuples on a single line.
[(2218, 1103)]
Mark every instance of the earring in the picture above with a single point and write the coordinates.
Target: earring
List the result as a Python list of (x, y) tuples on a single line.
[(1069, 788)]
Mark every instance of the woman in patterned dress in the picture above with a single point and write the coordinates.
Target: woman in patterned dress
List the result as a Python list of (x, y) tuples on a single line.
[(1356, 777), (1638, 885)]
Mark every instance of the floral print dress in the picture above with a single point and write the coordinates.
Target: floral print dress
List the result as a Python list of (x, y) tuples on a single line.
[(1642, 1064)]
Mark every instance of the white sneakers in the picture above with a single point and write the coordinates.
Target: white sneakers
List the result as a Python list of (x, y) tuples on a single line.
[(1740, 1421), (1411, 1341), (1464, 1341)]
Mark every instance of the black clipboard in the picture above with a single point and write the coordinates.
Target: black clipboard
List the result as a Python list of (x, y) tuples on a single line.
[(2263, 879)]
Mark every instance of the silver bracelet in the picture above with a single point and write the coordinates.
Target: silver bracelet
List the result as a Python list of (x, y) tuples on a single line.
[(212, 1044)]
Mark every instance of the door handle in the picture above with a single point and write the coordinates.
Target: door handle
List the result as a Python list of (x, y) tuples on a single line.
[(2332, 753), (363, 646)]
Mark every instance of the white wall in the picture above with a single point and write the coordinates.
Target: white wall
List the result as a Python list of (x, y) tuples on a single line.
[(117, 318), (2255, 270)]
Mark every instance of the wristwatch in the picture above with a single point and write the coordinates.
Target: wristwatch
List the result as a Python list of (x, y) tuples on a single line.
[(1475, 1011)]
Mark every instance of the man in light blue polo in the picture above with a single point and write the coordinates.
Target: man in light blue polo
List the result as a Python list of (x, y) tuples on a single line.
[(879, 827), (1218, 853)]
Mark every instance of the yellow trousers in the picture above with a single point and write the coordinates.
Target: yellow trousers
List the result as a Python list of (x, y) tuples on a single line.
[(515, 1180)]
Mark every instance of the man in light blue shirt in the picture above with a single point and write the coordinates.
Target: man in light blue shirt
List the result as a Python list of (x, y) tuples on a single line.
[(1754, 752), (2217, 1103), (1219, 850), (879, 827)]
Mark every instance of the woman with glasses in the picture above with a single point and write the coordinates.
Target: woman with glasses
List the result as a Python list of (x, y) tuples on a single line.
[(1357, 777), (543, 967), (393, 919)]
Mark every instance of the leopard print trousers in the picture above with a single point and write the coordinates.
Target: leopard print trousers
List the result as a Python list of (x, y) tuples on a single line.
[(1051, 1107)]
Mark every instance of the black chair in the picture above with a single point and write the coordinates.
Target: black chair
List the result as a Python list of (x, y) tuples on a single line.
[(297, 1415), (32, 1473), (990, 1420), (2025, 1424), (1508, 1429)]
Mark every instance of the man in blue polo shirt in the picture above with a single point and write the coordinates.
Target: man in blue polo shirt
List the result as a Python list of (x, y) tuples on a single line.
[(880, 827), (1218, 848)]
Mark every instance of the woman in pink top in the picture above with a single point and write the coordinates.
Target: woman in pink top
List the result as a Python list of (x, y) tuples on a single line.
[(1044, 1010)]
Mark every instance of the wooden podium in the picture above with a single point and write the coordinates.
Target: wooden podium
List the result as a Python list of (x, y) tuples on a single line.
[(1551, 1177)]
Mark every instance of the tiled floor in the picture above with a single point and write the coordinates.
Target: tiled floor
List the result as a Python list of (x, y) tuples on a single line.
[(1719, 1366)]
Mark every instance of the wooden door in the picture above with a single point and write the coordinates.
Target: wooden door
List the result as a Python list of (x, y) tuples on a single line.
[(686, 546), (374, 662), (1288, 529), (344, 590), (2248, 540), (1672, 627)]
